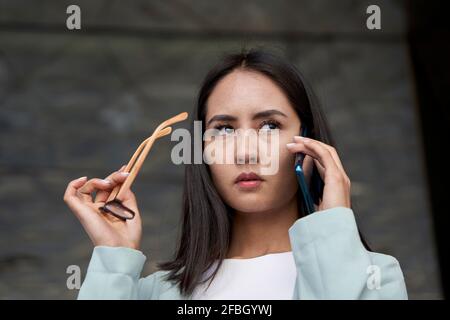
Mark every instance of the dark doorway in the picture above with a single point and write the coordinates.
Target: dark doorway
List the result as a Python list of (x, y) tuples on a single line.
[(429, 43)]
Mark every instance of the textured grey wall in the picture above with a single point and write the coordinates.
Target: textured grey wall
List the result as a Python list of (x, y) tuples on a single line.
[(76, 103)]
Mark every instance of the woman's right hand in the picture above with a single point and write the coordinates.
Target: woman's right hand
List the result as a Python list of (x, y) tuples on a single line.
[(104, 229)]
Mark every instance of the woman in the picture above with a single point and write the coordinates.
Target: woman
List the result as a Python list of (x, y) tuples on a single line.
[(244, 234)]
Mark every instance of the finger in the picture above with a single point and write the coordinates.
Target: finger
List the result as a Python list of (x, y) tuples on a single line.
[(308, 164), (336, 158), (320, 168), (71, 197), (330, 148), (72, 187), (333, 154), (95, 184), (116, 178), (70, 194), (337, 172), (318, 152)]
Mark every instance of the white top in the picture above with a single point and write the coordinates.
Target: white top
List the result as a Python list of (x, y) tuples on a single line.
[(268, 277)]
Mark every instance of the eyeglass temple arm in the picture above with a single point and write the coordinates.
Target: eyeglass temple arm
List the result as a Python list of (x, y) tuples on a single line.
[(135, 164), (132, 161)]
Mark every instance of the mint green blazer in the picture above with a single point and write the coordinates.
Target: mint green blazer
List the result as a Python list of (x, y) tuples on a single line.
[(331, 263)]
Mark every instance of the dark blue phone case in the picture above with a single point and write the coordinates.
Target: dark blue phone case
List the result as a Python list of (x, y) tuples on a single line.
[(299, 157)]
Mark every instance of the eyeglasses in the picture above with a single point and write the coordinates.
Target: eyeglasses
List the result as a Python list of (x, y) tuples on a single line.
[(113, 204)]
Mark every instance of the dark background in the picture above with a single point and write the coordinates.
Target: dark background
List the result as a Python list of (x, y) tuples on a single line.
[(78, 102)]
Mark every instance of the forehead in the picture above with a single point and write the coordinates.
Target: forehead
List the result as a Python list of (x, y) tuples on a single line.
[(246, 92)]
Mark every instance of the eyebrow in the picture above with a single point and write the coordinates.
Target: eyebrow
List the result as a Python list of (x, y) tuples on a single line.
[(258, 115), (221, 117), (268, 113)]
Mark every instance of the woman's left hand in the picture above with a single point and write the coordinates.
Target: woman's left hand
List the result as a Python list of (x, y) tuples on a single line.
[(336, 191)]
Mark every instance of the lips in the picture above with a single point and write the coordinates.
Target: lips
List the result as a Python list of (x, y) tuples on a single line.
[(248, 180)]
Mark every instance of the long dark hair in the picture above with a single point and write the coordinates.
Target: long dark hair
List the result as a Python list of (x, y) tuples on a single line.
[(206, 219)]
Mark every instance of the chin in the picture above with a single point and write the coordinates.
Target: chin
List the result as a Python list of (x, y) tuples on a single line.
[(250, 203)]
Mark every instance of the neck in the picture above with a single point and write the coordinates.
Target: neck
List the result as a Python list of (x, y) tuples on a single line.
[(258, 233)]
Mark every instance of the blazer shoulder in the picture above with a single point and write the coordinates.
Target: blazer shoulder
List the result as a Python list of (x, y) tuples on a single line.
[(390, 273), (384, 260)]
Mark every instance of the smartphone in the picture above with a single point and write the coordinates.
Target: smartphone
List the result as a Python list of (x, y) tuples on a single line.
[(310, 194)]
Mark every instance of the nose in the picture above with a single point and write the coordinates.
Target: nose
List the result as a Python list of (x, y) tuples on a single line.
[(246, 147)]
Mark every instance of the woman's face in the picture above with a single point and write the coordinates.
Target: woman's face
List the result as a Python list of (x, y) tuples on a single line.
[(237, 102)]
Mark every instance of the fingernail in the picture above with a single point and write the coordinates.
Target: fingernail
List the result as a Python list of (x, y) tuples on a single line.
[(106, 181), (124, 174), (82, 178), (301, 139), (290, 145)]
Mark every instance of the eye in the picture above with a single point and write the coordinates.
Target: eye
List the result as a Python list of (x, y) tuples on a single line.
[(270, 125), (224, 129)]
